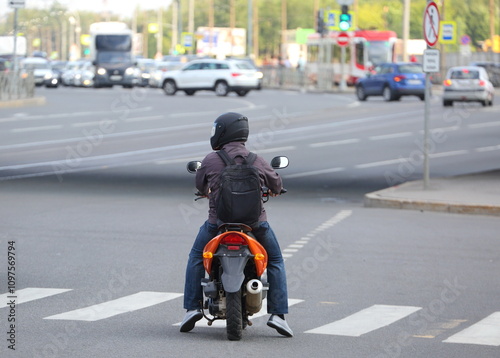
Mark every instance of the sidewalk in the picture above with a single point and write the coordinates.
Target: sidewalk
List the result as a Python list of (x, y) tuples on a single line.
[(466, 194), (24, 102)]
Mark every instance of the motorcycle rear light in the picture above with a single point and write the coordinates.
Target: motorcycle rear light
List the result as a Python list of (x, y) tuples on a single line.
[(233, 239), (232, 247), (208, 255)]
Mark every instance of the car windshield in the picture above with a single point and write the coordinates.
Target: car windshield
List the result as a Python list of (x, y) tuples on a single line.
[(378, 51), (464, 74), (410, 69), (36, 66), (244, 66), (114, 57)]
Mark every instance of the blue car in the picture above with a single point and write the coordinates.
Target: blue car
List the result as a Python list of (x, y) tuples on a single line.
[(393, 80)]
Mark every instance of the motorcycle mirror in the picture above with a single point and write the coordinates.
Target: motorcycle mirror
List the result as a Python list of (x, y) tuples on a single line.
[(193, 166), (279, 162)]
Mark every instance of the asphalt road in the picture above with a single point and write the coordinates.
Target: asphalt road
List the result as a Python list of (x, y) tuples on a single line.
[(109, 219)]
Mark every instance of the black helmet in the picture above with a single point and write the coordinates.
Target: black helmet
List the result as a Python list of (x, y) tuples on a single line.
[(229, 127)]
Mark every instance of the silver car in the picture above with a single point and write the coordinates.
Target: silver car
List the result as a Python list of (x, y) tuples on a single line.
[(467, 84)]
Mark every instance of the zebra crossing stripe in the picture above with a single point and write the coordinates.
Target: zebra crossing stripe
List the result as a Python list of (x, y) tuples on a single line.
[(262, 312), (485, 332), (367, 320), (115, 307), (30, 294)]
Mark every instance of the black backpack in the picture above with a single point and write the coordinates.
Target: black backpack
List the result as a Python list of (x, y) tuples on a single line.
[(240, 193)]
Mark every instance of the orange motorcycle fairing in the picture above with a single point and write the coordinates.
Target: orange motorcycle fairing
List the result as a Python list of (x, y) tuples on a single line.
[(257, 250)]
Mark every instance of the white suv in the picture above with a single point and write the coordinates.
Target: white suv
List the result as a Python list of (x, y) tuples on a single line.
[(221, 76)]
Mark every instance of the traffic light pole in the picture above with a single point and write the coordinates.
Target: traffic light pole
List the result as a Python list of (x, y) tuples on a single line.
[(342, 84)]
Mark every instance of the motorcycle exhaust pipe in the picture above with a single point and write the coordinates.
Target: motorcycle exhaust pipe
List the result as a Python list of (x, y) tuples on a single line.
[(254, 296)]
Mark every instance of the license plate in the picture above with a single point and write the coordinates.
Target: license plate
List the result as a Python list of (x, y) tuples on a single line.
[(414, 82), (115, 78)]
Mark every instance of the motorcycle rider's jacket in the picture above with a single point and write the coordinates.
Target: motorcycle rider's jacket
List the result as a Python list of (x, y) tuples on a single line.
[(208, 176)]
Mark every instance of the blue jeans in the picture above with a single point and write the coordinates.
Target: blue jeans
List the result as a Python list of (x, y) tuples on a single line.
[(277, 296)]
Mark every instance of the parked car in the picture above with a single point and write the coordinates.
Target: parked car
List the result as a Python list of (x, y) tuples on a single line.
[(393, 80), (42, 72), (467, 84), (158, 73), (58, 68), (492, 69), (221, 76)]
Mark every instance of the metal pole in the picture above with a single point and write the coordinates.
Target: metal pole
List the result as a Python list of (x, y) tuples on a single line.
[(342, 85), (250, 29), (406, 28), (426, 130)]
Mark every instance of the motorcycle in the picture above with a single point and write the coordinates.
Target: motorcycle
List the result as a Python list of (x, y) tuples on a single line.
[(235, 263)]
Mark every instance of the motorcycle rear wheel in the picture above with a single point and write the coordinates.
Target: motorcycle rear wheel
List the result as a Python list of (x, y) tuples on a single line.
[(234, 316)]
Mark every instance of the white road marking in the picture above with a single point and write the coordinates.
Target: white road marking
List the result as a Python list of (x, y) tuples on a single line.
[(115, 307), (30, 294), (484, 125), (141, 119), (292, 248), (391, 136), (485, 332), (381, 163), (272, 150), (367, 320), (335, 142), (94, 123), (35, 129), (448, 154), (263, 312), (488, 149), (314, 172)]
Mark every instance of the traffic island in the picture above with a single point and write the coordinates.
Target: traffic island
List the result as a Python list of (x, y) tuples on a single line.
[(467, 194)]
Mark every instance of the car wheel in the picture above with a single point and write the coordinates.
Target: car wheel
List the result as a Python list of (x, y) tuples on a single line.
[(387, 94), (360, 93), (169, 88), (242, 93), (221, 89), (447, 103), (190, 92), (422, 97)]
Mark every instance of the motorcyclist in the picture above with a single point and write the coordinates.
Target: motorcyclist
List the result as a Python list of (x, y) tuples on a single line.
[(230, 132)]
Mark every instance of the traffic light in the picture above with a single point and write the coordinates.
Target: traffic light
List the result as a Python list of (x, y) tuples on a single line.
[(320, 27), (345, 19)]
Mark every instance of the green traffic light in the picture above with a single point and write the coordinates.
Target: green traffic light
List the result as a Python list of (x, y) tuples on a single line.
[(344, 22)]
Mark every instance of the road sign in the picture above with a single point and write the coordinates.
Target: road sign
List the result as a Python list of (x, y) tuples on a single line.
[(431, 60), (431, 24), (465, 40), (448, 32), (17, 4), (343, 39)]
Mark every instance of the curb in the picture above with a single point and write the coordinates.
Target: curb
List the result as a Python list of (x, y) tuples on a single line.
[(35, 101), (377, 200)]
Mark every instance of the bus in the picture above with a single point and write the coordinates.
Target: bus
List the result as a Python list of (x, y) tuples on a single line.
[(111, 55), (366, 49)]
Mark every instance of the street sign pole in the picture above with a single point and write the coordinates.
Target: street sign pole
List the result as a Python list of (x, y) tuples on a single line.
[(431, 36)]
